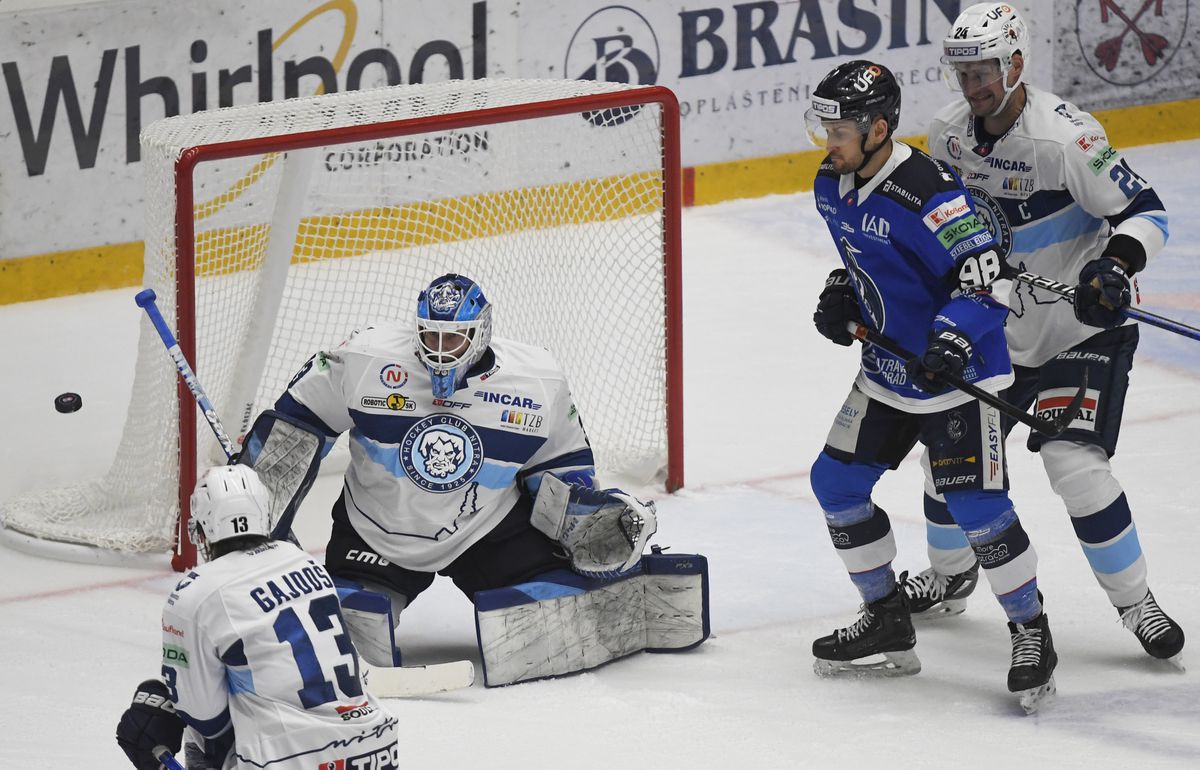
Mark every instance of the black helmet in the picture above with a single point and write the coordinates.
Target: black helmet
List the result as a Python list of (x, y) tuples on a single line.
[(858, 90)]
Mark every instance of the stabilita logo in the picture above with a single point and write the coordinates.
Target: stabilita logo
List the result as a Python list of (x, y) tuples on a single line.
[(614, 45), (198, 83)]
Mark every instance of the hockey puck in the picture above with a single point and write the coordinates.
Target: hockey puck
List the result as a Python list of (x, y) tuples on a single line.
[(68, 402)]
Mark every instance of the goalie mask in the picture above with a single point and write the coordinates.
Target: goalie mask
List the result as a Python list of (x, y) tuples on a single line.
[(454, 329), (230, 501), (979, 49)]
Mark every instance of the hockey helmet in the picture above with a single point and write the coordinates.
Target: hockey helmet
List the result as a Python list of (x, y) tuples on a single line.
[(850, 97), (980, 47), (454, 329), (230, 501)]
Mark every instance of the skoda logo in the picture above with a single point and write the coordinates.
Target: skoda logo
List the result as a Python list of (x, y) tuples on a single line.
[(613, 45)]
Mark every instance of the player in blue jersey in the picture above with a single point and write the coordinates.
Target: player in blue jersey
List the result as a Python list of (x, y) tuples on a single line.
[(1061, 203), (920, 268), (468, 458)]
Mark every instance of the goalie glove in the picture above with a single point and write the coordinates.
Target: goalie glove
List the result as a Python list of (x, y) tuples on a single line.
[(604, 531), (149, 722)]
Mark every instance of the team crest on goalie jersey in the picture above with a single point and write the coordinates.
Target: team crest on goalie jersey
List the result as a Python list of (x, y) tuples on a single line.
[(441, 453)]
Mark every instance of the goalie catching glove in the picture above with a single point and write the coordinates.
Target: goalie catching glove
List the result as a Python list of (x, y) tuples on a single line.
[(604, 531)]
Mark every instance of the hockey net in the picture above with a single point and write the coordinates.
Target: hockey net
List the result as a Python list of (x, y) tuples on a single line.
[(299, 221)]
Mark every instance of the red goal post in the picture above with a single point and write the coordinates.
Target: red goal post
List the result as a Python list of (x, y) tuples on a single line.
[(291, 223)]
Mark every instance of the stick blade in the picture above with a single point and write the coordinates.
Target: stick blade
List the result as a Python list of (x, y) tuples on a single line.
[(414, 681), (1068, 415)]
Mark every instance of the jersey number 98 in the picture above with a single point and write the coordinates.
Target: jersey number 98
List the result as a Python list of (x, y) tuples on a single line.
[(979, 271)]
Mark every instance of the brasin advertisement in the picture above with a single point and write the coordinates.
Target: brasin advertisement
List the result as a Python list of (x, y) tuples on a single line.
[(80, 83)]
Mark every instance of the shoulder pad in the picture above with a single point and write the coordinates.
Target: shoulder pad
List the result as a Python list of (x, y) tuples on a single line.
[(917, 180)]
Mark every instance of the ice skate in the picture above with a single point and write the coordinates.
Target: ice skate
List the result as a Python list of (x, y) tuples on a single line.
[(879, 643), (1031, 675), (933, 596), (1160, 636)]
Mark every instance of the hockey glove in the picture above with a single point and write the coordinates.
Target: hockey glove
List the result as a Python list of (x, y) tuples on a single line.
[(948, 353), (1103, 292), (836, 307), (150, 721), (604, 531)]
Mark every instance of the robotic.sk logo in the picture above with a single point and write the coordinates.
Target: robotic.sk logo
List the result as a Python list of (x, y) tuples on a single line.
[(615, 44)]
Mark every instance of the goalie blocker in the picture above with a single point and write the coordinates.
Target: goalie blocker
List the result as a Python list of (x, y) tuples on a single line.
[(565, 623)]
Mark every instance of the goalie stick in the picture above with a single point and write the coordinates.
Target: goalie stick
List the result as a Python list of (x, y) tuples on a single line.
[(145, 299), (400, 682), (415, 681), (1068, 291), (1051, 428)]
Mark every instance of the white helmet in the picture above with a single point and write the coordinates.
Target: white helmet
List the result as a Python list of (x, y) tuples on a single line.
[(981, 33), (230, 501)]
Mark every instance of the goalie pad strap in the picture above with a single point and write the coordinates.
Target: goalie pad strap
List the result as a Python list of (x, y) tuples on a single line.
[(564, 623)]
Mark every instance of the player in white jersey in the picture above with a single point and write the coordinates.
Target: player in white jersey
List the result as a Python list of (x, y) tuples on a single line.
[(468, 459), (257, 662), (1061, 203)]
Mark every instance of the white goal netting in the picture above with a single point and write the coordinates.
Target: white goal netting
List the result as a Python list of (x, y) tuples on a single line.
[(306, 218)]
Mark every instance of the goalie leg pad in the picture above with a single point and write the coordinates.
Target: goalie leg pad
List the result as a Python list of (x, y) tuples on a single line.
[(371, 619), (564, 623)]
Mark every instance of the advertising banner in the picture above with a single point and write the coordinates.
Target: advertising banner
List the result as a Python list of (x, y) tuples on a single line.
[(743, 71), (1114, 53)]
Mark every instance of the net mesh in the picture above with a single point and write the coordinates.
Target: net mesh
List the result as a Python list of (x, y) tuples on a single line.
[(558, 217)]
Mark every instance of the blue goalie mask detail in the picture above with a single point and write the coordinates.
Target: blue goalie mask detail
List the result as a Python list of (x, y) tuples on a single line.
[(454, 329)]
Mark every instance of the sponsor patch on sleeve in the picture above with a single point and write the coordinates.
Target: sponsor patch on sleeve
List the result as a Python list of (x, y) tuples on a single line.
[(959, 229), (955, 207)]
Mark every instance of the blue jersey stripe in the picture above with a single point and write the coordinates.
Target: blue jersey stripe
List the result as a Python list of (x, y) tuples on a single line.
[(1066, 226), (293, 408), (493, 475), (502, 445)]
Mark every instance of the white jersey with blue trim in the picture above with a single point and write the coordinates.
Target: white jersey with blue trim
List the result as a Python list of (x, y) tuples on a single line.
[(254, 641), (1053, 191), (429, 477)]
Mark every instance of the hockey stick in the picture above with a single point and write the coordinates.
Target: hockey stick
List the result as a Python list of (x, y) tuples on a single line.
[(415, 681), (146, 301), (1068, 291), (391, 683), (168, 760), (1050, 428)]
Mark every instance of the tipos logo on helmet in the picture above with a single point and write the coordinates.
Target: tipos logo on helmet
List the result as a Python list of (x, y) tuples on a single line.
[(454, 329)]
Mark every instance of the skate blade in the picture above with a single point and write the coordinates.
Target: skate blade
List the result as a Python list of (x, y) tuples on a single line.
[(1175, 661), (901, 663), (940, 611), (1037, 698)]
